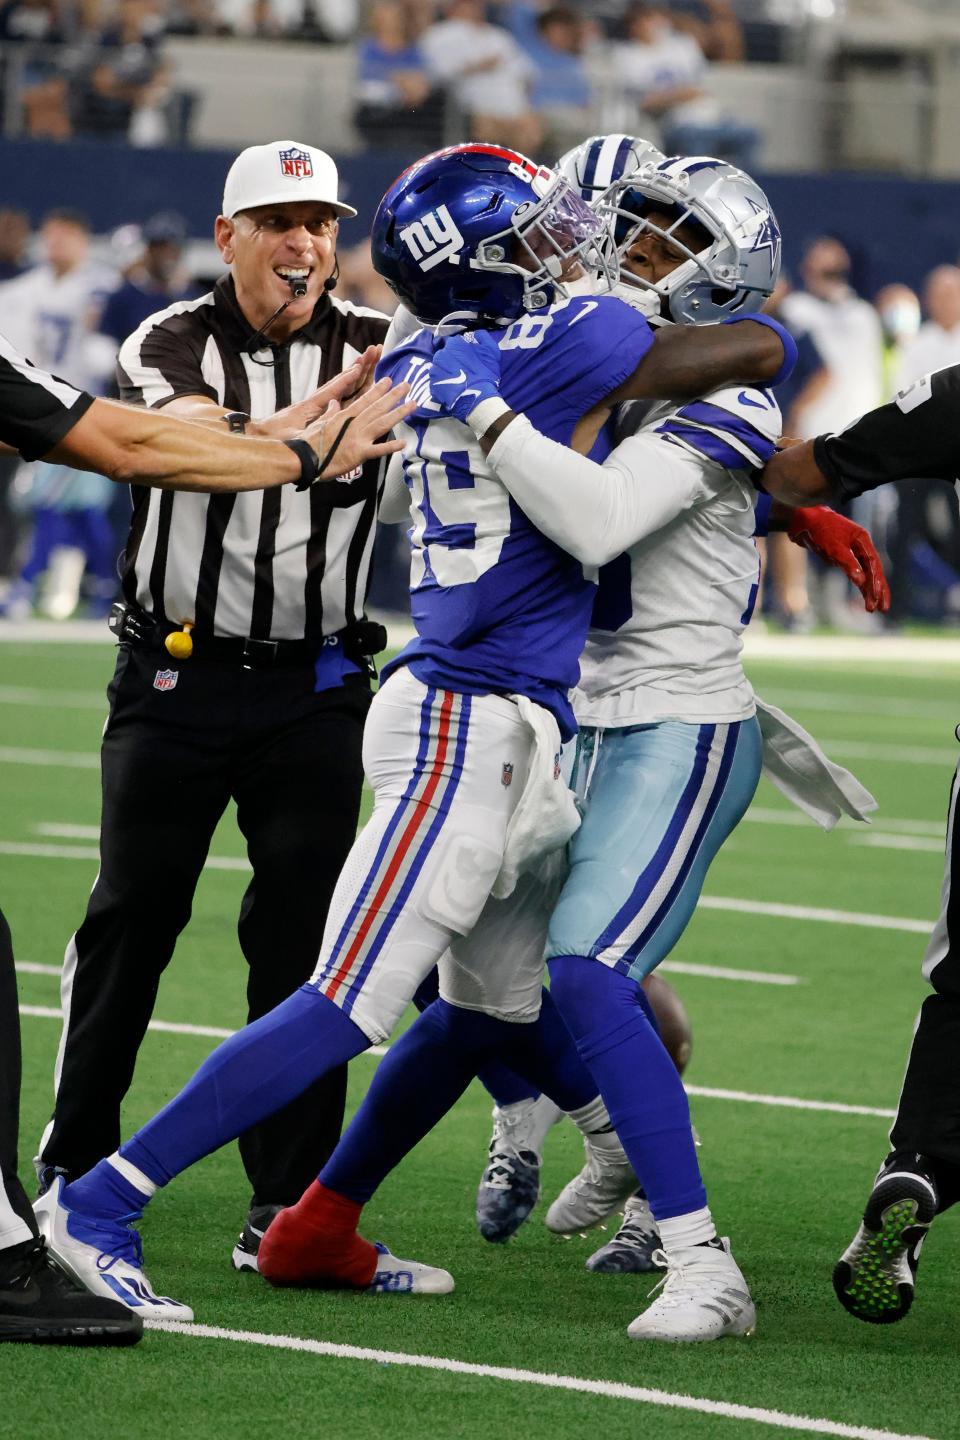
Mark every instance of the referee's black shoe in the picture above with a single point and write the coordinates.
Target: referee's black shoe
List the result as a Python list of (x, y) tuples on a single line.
[(245, 1251), (41, 1305), (875, 1276)]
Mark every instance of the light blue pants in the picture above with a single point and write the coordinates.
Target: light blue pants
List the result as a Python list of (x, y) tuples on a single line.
[(660, 800)]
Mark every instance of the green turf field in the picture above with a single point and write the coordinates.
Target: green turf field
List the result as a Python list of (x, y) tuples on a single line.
[(785, 1182)]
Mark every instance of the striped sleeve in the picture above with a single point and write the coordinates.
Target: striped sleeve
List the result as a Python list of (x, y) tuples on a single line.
[(164, 358), (738, 430), (36, 409)]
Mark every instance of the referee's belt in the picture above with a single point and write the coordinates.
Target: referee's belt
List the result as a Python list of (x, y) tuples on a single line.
[(133, 626)]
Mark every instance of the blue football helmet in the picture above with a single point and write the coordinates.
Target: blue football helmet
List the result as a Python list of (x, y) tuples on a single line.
[(733, 260), (482, 233)]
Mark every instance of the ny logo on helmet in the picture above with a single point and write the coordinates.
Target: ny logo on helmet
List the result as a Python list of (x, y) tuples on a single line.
[(433, 239)]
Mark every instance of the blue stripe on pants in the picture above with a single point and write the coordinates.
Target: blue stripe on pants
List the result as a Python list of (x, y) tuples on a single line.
[(631, 851)]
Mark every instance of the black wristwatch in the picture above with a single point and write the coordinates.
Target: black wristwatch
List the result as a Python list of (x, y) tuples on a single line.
[(310, 462), (236, 421)]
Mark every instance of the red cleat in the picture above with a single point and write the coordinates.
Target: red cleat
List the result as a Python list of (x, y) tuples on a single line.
[(315, 1243)]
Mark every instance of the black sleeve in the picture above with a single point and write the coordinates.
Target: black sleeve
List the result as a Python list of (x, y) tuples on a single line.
[(36, 409), (915, 437)]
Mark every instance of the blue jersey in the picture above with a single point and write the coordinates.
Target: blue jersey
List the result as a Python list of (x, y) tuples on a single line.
[(498, 606)]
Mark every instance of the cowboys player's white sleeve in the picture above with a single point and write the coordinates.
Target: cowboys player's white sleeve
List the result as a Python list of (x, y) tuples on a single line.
[(674, 463)]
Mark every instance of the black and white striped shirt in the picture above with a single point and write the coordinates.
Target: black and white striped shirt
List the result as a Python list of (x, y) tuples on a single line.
[(273, 564), (36, 409)]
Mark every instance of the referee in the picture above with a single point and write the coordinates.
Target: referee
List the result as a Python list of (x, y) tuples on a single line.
[(243, 674), (916, 436), (42, 416)]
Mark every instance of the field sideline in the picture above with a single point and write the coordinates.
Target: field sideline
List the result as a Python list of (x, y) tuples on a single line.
[(801, 974)]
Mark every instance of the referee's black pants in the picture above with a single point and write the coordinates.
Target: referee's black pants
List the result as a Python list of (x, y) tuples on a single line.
[(928, 1116), (13, 1201), (171, 761)]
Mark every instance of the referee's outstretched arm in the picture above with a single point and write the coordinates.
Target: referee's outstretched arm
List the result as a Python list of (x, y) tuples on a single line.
[(44, 417), (915, 437)]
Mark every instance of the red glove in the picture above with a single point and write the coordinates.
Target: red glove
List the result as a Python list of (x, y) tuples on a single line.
[(846, 545)]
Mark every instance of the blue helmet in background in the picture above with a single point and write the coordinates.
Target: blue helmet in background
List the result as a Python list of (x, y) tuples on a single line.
[(482, 232)]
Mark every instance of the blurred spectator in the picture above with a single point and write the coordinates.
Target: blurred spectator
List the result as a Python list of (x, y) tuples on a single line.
[(664, 71), (48, 313), (847, 332), (785, 579), (560, 93), (333, 20), (713, 24), (360, 283), (899, 311), (196, 17), (396, 101), (937, 342), (14, 235), (36, 28), (156, 279), (487, 74), (848, 335), (126, 92)]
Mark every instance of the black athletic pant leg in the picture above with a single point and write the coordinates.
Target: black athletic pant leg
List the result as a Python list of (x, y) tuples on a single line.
[(928, 1116), (298, 805), (165, 762), (10, 1086)]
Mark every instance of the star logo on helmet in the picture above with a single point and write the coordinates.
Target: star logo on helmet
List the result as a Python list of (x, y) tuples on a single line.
[(767, 236)]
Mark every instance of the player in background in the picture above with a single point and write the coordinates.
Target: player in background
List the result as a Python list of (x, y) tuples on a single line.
[(666, 768), (508, 611)]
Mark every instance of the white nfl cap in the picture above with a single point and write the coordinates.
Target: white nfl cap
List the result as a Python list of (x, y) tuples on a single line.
[(279, 172)]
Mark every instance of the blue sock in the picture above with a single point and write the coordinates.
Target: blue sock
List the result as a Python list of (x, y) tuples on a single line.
[(421, 1077), (636, 1077), (545, 1055), (427, 1071), (106, 1191), (257, 1071), (504, 1084)]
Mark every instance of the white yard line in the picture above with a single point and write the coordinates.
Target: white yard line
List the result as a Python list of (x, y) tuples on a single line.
[(746, 1097), (607, 1389), (723, 972), (58, 699), (706, 902), (789, 1102), (165, 1027), (880, 841), (90, 852), (70, 759), (30, 967), (851, 703), (807, 912), (764, 815), (895, 754)]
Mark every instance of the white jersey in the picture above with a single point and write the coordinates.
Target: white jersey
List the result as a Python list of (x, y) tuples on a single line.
[(670, 516), (49, 317)]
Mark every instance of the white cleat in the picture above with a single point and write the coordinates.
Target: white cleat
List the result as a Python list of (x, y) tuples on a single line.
[(703, 1296), (104, 1256), (606, 1181), (407, 1277)]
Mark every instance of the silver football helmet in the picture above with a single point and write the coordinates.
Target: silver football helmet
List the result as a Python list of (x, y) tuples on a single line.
[(737, 265), (596, 164)]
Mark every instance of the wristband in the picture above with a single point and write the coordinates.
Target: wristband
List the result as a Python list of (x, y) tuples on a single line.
[(482, 416), (310, 465)]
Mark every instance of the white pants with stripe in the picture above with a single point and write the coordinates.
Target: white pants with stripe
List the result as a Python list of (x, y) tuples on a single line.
[(447, 771)]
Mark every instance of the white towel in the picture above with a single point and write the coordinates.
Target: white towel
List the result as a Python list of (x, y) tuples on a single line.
[(793, 760), (546, 815)]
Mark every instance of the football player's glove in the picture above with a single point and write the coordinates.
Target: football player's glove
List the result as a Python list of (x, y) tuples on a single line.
[(845, 545), (465, 371)]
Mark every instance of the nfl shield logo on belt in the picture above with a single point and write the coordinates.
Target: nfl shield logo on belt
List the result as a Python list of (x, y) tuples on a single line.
[(166, 679), (506, 775)]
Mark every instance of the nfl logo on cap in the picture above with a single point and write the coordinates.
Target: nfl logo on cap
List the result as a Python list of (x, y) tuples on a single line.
[(296, 163)]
